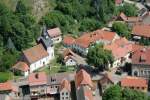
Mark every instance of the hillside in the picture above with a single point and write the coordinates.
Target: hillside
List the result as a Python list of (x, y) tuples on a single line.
[(39, 7)]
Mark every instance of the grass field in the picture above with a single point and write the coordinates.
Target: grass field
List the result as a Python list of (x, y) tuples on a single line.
[(4, 76)]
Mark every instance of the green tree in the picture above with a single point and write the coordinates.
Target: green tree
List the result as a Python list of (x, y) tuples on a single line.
[(121, 29), (88, 24), (113, 93), (99, 57), (128, 9), (22, 8), (129, 94)]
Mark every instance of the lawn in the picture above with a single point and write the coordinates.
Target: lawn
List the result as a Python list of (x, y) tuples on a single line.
[(4, 76)]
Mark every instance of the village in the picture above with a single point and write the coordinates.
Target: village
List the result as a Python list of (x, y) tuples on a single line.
[(58, 68)]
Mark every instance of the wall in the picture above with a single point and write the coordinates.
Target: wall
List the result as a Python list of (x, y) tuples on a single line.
[(38, 64), (70, 62), (64, 95), (57, 39)]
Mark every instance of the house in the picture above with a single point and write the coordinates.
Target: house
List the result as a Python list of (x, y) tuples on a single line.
[(39, 55), (134, 83), (129, 20), (65, 90), (37, 84), (55, 35), (121, 49), (71, 59), (68, 41), (36, 57), (108, 80), (141, 63), (21, 68), (118, 2), (55, 80), (82, 44), (140, 31), (10, 89), (84, 85)]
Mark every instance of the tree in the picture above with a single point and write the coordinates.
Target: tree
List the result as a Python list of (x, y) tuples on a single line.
[(88, 24), (116, 93), (112, 93), (22, 8), (121, 29), (129, 94), (128, 9), (99, 57)]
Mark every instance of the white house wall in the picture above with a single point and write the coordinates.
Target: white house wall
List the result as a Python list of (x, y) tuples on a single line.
[(57, 39), (70, 62), (39, 64)]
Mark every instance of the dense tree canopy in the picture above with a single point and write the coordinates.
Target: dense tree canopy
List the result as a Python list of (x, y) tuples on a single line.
[(128, 9), (75, 16), (18, 31), (116, 93), (121, 29), (112, 93), (99, 57)]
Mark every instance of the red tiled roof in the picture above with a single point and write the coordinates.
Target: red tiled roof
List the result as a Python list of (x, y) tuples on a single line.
[(123, 16), (141, 30), (68, 40), (136, 56), (37, 78), (83, 78), (65, 84), (86, 39), (22, 66), (118, 2), (8, 86), (119, 48), (134, 82), (136, 47), (35, 53), (54, 32)]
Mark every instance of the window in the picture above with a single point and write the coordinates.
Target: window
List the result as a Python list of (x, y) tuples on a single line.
[(62, 93), (63, 98), (143, 88), (66, 93), (66, 97)]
